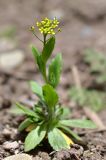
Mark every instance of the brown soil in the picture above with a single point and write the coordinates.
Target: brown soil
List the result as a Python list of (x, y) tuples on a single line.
[(92, 148), (80, 31)]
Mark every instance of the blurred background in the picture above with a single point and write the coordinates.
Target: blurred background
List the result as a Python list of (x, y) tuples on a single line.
[(82, 43)]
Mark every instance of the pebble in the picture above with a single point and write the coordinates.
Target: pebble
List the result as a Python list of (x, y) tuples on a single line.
[(10, 145), (16, 151), (6, 132), (19, 157), (11, 59)]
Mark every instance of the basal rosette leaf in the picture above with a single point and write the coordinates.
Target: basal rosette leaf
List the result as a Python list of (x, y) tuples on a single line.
[(26, 110), (57, 140), (78, 123), (69, 132), (25, 124), (34, 138)]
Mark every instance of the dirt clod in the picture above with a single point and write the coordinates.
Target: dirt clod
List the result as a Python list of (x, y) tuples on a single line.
[(10, 145)]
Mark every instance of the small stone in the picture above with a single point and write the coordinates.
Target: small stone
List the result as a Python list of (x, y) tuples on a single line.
[(62, 155), (11, 60), (19, 157), (10, 145), (6, 132), (44, 155), (16, 151), (14, 133)]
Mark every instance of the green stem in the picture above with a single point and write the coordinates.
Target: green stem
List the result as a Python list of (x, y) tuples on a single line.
[(44, 42), (50, 117), (45, 75)]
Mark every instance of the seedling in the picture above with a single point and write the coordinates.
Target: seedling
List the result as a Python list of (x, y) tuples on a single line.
[(46, 119), (89, 98), (97, 63)]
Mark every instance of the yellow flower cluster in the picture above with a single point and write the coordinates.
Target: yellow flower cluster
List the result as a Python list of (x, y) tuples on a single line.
[(48, 26)]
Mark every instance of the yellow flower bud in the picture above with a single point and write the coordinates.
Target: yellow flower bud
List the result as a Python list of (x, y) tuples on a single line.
[(32, 28), (59, 29)]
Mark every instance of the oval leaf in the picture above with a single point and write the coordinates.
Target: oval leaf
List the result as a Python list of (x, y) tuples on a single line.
[(34, 138), (48, 48), (57, 140)]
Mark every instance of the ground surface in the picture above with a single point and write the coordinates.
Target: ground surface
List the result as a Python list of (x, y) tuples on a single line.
[(84, 25)]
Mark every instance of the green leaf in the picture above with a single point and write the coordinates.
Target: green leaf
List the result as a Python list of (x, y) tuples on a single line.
[(57, 140), (55, 70), (36, 88), (48, 48), (24, 124), (69, 131), (35, 52), (39, 60), (17, 111), (34, 138), (39, 111), (50, 95), (27, 111), (78, 123), (41, 65)]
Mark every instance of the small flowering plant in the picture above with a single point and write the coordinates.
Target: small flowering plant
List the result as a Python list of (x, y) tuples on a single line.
[(48, 119)]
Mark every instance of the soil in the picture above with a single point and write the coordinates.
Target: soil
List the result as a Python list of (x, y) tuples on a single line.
[(92, 148), (80, 30)]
